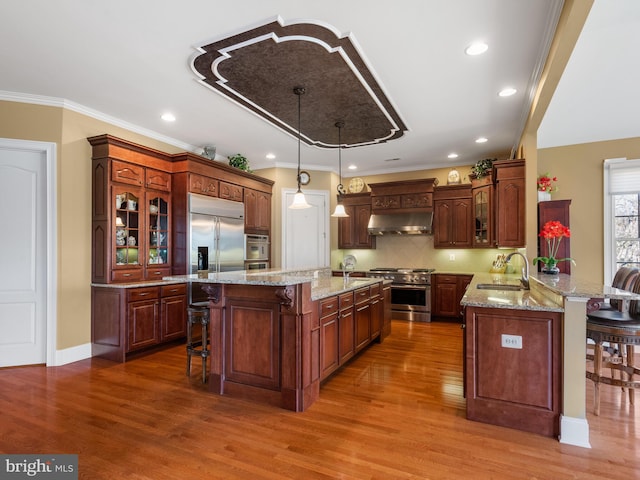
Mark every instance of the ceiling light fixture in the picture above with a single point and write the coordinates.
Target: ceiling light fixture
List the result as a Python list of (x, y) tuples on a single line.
[(477, 48), (352, 167), (507, 92), (168, 117), (452, 155), (270, 156), (339, 211), (481, 140), (299, 202)]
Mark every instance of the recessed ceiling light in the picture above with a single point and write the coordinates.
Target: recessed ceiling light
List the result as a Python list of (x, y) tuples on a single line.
[(477, 48), (452, 155), (352, 167), (168, 117), (270, 156), (507, 92), (481, 140)]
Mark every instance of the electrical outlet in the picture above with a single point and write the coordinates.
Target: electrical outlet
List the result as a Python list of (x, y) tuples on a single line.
[(511, 341), (452, 257)]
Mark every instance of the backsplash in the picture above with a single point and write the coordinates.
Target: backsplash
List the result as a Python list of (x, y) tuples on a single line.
[(417, 251)]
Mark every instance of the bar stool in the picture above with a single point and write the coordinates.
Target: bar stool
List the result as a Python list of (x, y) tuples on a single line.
[(198, 313), (622, 329)]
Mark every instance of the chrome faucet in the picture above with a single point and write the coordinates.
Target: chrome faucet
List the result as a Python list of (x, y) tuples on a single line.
[(525, 268)]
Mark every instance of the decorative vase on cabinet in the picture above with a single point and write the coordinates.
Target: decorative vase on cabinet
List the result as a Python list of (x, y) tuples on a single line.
[(544, 196)]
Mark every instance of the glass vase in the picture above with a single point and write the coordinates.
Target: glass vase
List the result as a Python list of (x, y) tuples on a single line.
[(551, 268)]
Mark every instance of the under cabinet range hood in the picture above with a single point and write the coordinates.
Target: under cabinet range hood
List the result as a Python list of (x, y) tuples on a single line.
[(417, 223)]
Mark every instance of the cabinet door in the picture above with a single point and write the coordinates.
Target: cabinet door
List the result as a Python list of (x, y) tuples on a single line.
[(203, 185), (483, 216), (257, 207), (362, 237), (346, 228), (445, 295), (329, 356), (158, 234), (461, 228), (442, 221), (346, 330), (173, 312), (126, 239), (510, 204), (157, 180), (377, 313), (123, 172), (363, 325), (231, 191), (143, 325)]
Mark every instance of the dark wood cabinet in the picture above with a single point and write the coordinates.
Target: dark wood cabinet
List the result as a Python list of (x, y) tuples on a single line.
[(482, 206), (447, 291), (377, 310), (126, 320), (346, 328), (555, 210), (352, 230), (362, 312), (404, 196), (513, 368), (452, 217), (329, 336), (510, 203), (230, 191), (203, 185), (257, 207), (386, 311)]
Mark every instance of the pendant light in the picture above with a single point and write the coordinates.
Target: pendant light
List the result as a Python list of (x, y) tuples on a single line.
[(339, 211), (299, 201)]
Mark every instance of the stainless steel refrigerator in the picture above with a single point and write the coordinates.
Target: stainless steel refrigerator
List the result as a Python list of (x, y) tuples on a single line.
[(215, 236)]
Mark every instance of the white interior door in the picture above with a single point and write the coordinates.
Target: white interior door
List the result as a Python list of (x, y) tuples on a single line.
[(306, 231), (23, 255)]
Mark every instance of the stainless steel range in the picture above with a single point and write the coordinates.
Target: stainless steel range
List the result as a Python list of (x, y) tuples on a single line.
[(410, 292)]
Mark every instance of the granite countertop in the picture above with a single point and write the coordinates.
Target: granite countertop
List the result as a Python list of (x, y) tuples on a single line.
[(323, 284)]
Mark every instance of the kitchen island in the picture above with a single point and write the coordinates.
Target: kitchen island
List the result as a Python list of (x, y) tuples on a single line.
[(267, 340), (502, 324)]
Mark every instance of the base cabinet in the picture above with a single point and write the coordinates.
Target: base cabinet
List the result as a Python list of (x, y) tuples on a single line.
[(513, 368), (127, 320), (447, 292)]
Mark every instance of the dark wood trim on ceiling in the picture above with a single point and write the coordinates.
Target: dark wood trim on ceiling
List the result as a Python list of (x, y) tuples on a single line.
[(260, 67)]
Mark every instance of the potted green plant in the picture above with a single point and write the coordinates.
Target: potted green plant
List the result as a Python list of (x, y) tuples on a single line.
[(239, 161), (482, 168)]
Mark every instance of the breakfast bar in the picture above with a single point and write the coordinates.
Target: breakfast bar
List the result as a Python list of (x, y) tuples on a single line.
[(549, 295), (266, 335)]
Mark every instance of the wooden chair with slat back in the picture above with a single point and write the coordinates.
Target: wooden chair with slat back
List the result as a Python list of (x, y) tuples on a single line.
[(620, 329)]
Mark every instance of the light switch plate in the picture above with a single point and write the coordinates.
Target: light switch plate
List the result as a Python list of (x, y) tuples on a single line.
[(511, 341)]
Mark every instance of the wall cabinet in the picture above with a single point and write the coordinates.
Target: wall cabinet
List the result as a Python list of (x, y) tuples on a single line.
[(231, 192), (352, 230), (510, 203), (447, 292), (482, 206), (404, 196), (126, 320), (513, 368), (555, 210), (257, 207), (203, 185), (452, 217)]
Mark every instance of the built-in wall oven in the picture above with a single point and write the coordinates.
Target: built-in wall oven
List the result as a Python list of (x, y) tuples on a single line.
[(410, 292), (256, 265), (256, 248)]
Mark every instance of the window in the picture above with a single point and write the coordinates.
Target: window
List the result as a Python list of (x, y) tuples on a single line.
[(622, 215)]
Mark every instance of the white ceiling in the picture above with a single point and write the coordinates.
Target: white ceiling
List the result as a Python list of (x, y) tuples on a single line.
[(129, 62), (598, 97)]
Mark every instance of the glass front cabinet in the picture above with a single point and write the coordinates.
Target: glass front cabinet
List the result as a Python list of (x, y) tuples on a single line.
[(157, 236), (483, 216)]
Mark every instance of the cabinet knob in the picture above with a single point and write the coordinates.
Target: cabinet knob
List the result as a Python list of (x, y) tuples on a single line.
[(126, 274)]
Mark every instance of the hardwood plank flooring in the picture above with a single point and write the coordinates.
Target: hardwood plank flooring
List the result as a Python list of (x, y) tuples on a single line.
[(395, 412)]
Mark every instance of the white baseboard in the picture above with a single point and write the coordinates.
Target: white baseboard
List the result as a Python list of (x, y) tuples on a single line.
[(70, 355), (574, 431)]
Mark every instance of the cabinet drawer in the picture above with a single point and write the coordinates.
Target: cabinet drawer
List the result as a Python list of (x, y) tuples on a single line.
[(328, 306), (171, 290), (127, 173), (158, 180), (440, 278), (157, 273), (346, 300), (143, 293), (375, 290), (231, 191), (362, 295), (126, 275)]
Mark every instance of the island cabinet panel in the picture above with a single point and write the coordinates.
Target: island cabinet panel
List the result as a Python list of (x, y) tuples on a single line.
[(377, 311), (253, 343), (513, 368), (329, 337), (346, 328), (362, 318), (386, 311)]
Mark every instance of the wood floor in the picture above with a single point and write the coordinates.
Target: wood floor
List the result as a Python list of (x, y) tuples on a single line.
[(395, 412)]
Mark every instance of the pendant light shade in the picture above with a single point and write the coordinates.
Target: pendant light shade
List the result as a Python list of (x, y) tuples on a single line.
[(299, 201), (339, 211)]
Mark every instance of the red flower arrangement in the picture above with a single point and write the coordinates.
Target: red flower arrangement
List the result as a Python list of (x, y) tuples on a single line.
[(553, 232), (545, 183)]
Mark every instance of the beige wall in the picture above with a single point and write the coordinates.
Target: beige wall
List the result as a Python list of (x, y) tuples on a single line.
[(580, 178)]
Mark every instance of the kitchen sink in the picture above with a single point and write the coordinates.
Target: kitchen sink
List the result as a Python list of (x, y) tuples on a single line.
[(499, 286)]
